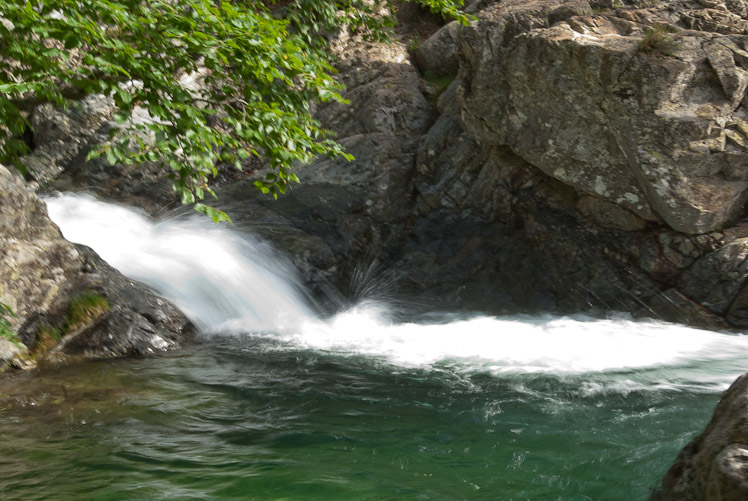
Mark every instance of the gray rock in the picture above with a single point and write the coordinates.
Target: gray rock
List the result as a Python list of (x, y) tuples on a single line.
[(10, 351), (438, 54), (137, 322), (61, 136), (657, 134), (672, 306), (36, 262), (609, 215), (41, 275), (714, 466), (715, 280)]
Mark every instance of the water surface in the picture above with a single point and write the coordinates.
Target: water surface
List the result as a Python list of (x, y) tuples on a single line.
[(245, 418)]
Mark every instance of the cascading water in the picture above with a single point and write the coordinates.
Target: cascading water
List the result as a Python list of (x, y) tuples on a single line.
[(276, 403), (228, 282), (216, 276)]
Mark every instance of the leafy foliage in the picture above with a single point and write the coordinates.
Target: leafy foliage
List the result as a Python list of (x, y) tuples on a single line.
[(261, 67)]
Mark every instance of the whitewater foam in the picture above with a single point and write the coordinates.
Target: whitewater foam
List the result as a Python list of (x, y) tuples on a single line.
[(213, 274), (228, 282), (522, 344)]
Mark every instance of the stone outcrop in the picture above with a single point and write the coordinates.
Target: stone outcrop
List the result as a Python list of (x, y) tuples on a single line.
[(60, 136), (659, 132), (585, 147), (45, 279), (714, 465)]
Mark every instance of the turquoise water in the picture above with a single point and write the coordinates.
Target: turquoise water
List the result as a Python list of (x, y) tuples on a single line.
[(246, 418), (277, 403)]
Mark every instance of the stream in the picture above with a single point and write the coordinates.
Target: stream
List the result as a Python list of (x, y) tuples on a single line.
[(275, 402)]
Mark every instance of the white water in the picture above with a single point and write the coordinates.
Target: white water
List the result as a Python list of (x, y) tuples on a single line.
[(227, 282), (213, 274)]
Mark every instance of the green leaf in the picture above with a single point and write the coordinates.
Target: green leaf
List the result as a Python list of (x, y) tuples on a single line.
[(110, 156), (93, 154)]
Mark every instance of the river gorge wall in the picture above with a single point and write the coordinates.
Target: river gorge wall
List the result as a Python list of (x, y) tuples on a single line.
[(564, 168), (553, 155)]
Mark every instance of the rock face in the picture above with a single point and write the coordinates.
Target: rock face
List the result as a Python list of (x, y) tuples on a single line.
[(658, 132), (46, 279), (570, 166), (36, 261), (714, 465), (59, 136)]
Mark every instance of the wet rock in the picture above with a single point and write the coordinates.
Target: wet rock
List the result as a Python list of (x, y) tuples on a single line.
[(136, 321), (737, 315), (715, 464), (715, 280), (672, 306), (42, 276), (487, 232)]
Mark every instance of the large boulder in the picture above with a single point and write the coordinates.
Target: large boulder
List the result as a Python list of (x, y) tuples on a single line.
[(438, 54), (36, 261), (67, 301), (658, 127)]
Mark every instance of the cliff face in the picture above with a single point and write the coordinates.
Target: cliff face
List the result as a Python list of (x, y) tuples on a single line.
[(627, 126)]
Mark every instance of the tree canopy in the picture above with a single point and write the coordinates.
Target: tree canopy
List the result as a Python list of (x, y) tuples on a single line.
[(262, 66)]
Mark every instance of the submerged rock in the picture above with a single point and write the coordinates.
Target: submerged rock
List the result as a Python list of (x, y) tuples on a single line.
[(67, 300)]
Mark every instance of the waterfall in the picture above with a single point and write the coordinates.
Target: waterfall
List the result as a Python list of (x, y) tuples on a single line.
[(218, 277), (230, 283)]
